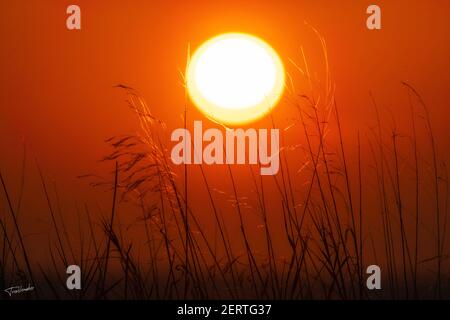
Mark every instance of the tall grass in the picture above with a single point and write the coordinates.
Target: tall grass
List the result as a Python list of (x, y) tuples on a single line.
[(328, 232)]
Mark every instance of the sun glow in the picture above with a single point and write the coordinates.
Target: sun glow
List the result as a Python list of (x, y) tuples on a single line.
[(235, 78)]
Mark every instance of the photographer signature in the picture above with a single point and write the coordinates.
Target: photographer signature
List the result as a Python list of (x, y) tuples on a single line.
[(18, 289)]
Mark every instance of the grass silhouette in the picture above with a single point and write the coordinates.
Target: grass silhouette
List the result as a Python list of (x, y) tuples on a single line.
[(326, 231)]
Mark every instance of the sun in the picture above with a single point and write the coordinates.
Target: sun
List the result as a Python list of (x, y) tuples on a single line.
[(235, 78)]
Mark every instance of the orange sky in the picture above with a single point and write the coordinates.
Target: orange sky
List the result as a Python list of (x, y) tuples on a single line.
[(57, 85)]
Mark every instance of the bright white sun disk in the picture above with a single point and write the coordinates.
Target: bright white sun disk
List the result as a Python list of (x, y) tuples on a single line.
[(235, 78)]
